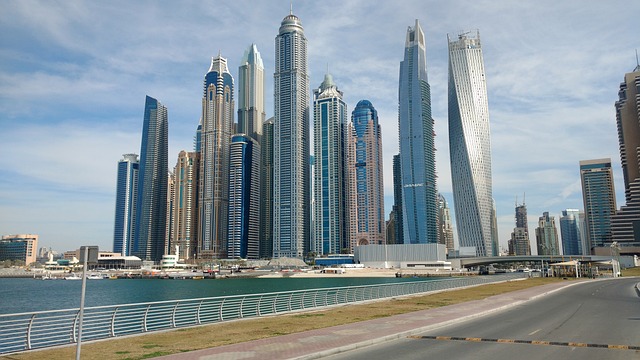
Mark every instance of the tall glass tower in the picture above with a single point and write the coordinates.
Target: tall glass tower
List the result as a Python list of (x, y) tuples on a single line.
[(366, 203), (151, 212), (251, 113), (417, 151), (570, 232), (330, 181), (292, 176), (184, 229), (126, 198), (244, 205), (599, 199), (217, 127), (266, 183), (470, 144)]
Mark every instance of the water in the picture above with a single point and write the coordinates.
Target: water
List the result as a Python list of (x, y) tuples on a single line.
[(29, 295)]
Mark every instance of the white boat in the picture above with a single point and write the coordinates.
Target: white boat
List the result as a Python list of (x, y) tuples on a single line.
[(73, 277), (95, 277)]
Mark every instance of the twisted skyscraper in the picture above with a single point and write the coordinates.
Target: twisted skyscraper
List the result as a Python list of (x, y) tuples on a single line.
[(417, 151), (470, 144)]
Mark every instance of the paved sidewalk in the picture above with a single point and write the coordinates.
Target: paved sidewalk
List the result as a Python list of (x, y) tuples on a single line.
[(323, 342)]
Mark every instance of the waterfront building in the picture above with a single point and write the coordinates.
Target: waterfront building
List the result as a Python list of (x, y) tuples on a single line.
[(244, 205), (291, 175), (397, 201), (625, 224), (519, 243), (367, 224), (470, 144), (445, 225), (151, 209), (126, 201), (217, 127), (570, 232), (547, 235), (19, 247), (171, 191), (184, 228), (599, 199), (330, 178), (251, 113), (417, 150), (266, 183)]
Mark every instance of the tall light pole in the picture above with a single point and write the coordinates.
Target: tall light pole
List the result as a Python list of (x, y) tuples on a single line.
[(88, 255)]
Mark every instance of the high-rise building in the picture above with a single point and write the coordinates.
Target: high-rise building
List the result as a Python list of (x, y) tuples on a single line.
[(126, 201), (547, 235), (251, 112), (445, 225), (599, 199), (364, 170), (397, 201), (519, 243), (217, 127), (244, 205), (291, 176), (151, 210), (625, 224), (417, 150), (495, 239), (570, 232), (184, 229), (266, 200), (330, 177), (470, 144)]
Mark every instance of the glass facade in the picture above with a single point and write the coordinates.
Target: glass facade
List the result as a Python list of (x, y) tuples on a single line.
[(151, 209), (417, 151), (599, 199), (470, 145), (126, 199), (570, 232)]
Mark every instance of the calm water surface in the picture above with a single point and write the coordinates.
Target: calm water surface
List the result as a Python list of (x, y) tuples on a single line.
[(28, 295)]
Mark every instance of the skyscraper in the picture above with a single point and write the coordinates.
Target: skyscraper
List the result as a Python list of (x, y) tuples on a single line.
[(417, 151), (217, 127), (625, 224), (397, 201), (151, 209), (445, 226), (366, 188), (519, 243), (244, 205), (251, 113), (470, 144), (570, 232), (599, 199), (330, 178), (185, 199), (126, 198), (547, 235), (266, 205), (291, 179)]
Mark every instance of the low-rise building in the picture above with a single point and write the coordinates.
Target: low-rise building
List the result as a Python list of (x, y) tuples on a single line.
[(19, 247)]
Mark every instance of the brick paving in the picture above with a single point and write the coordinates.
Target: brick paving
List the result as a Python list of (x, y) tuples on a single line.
[(318, 343)]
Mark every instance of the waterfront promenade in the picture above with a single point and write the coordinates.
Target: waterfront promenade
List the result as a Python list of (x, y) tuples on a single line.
[(324, 342)]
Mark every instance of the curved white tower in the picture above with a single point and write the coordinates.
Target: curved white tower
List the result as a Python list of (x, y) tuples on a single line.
[(470, 144)]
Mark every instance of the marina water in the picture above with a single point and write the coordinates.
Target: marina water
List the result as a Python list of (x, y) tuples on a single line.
[(29, 295)]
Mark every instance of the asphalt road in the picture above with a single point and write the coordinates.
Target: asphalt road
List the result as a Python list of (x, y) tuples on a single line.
[(591, 320)]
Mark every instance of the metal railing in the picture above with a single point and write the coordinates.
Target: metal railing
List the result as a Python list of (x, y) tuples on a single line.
[(36, 330)]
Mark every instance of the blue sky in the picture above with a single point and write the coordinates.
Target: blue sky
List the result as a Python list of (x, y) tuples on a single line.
[(74, 74)]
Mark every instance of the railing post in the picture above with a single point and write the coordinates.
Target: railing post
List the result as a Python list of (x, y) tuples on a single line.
[(144, 318), (222, 305), (75, 327), (275, 300), (33, 317), (241, 305), (259, 303), (290, 297), (113, 323), (198, 313), (173, 314)]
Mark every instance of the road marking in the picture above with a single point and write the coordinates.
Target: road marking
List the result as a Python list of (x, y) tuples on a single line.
[(532, 342), (533, 332)]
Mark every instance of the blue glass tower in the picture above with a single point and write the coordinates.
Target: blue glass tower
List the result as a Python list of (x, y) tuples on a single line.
[(570, 232), (244, 205), (599, 199), (126, 198), (151, 213), (417, 151)]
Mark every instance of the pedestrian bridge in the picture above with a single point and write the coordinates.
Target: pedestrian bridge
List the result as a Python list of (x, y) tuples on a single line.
[(467, 262)]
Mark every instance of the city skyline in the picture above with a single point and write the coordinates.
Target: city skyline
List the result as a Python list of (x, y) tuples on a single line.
[(528, 89)]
